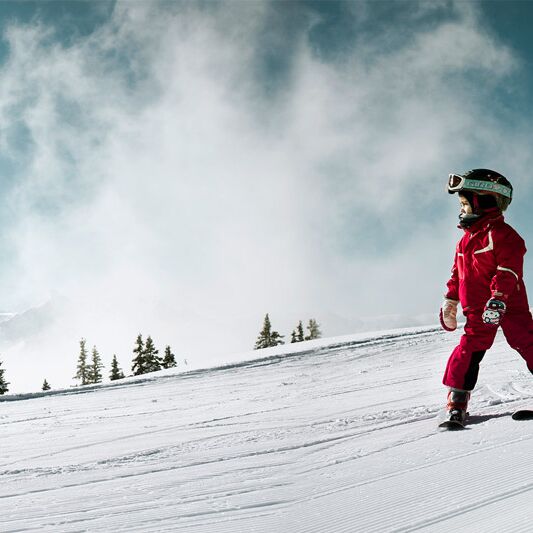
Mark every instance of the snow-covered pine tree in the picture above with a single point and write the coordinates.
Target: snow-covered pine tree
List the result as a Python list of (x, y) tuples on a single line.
[(169, 360), (3, 383), (139, 365), (95, 368), (267, 337), (116, 372), (314, 331), (293, 337), (46, 386), (151, 357), (83, 372)]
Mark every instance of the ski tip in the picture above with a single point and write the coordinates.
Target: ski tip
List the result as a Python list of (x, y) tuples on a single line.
[(452, 425), (523, 414)]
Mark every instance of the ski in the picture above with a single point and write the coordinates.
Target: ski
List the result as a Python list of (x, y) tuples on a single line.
[(523, 414)]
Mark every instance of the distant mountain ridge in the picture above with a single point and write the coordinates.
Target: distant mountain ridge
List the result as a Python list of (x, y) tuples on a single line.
[(17, 327)]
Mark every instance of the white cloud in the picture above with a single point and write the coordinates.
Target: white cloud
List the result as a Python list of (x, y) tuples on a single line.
[(166, 193)]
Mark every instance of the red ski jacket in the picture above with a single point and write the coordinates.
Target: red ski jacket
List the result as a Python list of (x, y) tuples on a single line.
[(489, 262)]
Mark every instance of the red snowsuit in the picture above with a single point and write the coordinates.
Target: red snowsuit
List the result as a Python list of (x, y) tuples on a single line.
[(488, 263)]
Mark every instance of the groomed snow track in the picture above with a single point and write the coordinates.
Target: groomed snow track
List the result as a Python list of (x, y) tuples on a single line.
[(331, 436)]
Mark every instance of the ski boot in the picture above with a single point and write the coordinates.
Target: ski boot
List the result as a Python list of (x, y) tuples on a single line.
[(456, 409)]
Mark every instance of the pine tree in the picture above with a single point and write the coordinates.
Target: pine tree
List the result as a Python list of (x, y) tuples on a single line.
[(151, 357), (3, 383), (116, 372), (83, 372), (139, 364), (267, 337), (263, 341), (298, 334), (169, 361), (94, 371), (46, 386), (300, 329), (314, 331)]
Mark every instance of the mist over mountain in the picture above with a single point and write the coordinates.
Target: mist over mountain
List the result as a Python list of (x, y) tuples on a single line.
[(43, 341)]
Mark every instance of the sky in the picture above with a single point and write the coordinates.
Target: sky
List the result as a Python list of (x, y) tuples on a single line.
[(182, 168)]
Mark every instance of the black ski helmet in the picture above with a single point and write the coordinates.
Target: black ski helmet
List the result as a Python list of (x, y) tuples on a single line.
[(483, 181)]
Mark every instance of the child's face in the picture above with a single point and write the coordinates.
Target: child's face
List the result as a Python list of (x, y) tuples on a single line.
[(466, 208)]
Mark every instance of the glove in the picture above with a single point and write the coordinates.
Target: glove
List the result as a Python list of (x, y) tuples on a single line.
[(448, 314), (494, 311)]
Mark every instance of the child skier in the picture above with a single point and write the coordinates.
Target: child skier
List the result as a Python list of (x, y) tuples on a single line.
[(487, 281)]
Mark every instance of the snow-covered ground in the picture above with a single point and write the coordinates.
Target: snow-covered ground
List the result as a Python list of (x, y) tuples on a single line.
[(339, 436)]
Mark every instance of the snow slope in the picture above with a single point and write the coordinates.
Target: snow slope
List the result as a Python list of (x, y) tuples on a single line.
[(335, 435)]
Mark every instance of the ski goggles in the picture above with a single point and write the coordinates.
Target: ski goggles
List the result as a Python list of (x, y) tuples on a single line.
[(457, 183)]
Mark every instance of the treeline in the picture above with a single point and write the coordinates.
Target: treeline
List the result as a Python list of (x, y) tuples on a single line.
[(90, 368), (268, 337), (146, 356), (146, 359)]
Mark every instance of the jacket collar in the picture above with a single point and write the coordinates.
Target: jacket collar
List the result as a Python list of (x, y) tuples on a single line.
[(486, 220)]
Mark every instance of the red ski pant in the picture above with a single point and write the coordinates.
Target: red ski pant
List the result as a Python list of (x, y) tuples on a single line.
[(463, 365)]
